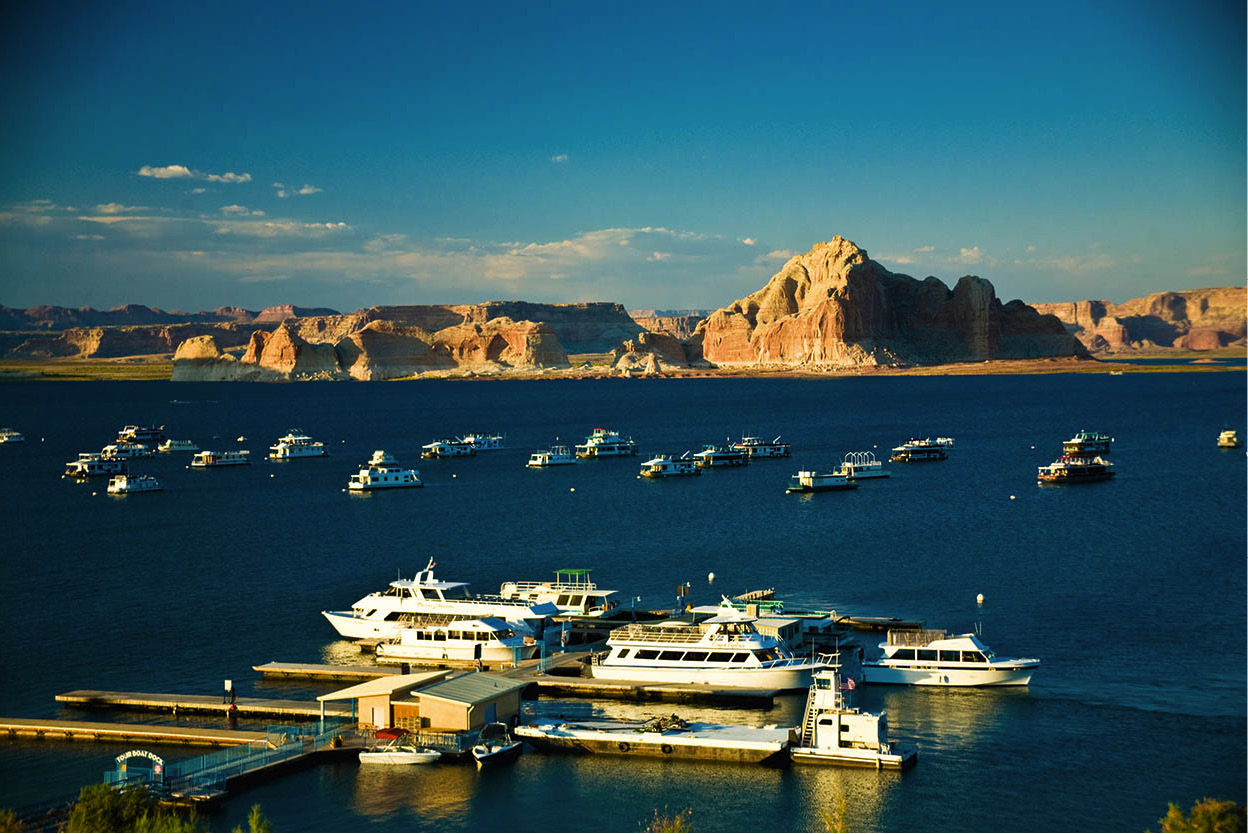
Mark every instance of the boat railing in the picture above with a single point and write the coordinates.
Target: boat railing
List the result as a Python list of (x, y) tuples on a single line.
[(914, 636)]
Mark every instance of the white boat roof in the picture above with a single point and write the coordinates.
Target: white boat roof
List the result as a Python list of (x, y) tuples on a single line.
[(723, 613), (439, 584)]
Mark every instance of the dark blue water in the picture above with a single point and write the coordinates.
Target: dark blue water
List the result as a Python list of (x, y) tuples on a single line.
[(1131, 591)]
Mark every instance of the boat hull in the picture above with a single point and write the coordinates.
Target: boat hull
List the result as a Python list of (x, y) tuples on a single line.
[(851, 757), (1010, 676), (497, 754), (434, 652), (399, 757), (705, 742), (797, 676)]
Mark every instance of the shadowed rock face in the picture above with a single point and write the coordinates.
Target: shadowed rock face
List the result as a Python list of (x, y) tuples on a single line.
[(1205, 319), (834, 307)]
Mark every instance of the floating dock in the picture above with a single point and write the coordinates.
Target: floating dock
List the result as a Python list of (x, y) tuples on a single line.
[(322, 671), (164, 702), (55, 729), (707, 742), (559, 678)]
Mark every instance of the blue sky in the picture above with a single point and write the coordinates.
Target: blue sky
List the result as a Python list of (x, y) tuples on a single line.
[(190, 156)]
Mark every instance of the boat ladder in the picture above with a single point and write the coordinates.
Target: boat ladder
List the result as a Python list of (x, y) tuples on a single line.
[(808, 720)]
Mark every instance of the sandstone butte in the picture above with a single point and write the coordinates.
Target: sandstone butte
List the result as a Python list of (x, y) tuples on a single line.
[(1206, 319)]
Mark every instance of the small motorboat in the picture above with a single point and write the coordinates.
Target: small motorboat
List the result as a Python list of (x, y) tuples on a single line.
[(496, 745), (395, 751)]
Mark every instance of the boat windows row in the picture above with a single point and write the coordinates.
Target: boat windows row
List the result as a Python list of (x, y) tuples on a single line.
[(943, 655), (764, 655)]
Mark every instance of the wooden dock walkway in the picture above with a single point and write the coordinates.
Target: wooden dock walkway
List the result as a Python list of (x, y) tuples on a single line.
[(165, 702), (322, 671), (56, 729)]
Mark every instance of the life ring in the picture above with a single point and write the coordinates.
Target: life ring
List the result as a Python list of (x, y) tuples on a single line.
[(667, 749), (624, 747)]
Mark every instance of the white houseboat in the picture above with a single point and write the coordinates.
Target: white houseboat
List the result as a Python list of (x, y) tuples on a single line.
[(447, 449), (125, 484), (928, 657), (11, 436), (756, 447), (383, 476), (667, 738), (554, 456), (834, 733), (811, 481), (296, 444), (125, 450), (382, 614), (1087, 443), (93, 464), (724, 650), (141, 434), (605, 443), (209, 458), (925, 449), (178, 446), (488, 639), (1075, 470), (1228, 439), (483, 442), (572, 592), (713, 457), (858, 466), (666, 466)]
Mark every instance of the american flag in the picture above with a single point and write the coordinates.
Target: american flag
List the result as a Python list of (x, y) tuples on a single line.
[(848, 683)]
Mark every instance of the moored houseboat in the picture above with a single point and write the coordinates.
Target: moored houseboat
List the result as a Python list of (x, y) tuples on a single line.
[(1074, 470), (447, 448), (924, 449), (296, 444), (605, 443), (714, 457), (125, 484), (209, 458), (554, 456), (488, 639), (11, 436), (811, 481), (483, 442), (858, 466), (1087, 443), (756, 447), (93, 464), (666, 466), (1228, 439), (383, 476)]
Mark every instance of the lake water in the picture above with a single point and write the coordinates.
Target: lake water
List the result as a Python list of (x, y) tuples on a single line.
[(1131, 591)]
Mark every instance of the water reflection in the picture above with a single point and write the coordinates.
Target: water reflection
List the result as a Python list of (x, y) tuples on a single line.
[(843, 798), (432, 794), (933, 718), (345, 653)]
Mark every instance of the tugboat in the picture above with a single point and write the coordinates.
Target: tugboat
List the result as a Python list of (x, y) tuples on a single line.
[(554, 456), (1075, 470), (666, 466), (1087, 443), (605, 443), (1228, 440), (925, 449), (832, 733), (756, 447), (713, 457), (810, 481)]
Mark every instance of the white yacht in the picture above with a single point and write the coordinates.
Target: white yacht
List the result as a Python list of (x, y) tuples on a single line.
[(833, 733), (383, 476), (1087, 443), (756, 447), (925, 449), (296, 444), (860, 465), (927, 657), (1228, 439), (807, 480), (91, 464), (11, 436), (125, 450), (666, 466), (125, 484), (713, 457), (554, 456), (141, 434), (207, 458), (488, 639), (178, 446), (605, 443), (382, 614), (572, 592), (483, 442), (447, 449), (725, 650)]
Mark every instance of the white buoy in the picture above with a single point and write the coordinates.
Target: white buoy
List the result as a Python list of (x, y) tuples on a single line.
[(573, 489), (979, 599), (1011, 497), (1033, 447), (95, 493), (454, 476), (710, 577), (271, 475)]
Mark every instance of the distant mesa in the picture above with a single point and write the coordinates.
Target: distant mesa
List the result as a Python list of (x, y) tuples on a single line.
[(1207, 319)]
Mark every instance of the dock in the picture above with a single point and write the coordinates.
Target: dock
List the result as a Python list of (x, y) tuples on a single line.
[(166, 702), (322, 671), (55, 729)]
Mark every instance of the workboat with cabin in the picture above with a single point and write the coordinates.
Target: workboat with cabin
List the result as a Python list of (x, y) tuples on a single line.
[(11, 436), (178, 446), (554, 456), (1228, 440), (756, 447), (723, 650), (141, 434), (1087, 443), (859, 466), (391, 749), (93, 464), (125, 450), (1075, 470), (441, 637), (125, 484), (666, 737), (666, 466), (296, 444), (209, 458), (447, 449), (930, 657), (572, 592), (382, 614), (605, 443), (811, 481), (837, 734), (713, 457), (925, 449), (483, 442), (383, 476), (496, 745)]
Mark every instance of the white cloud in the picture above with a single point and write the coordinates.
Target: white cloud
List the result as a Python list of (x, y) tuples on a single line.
[(923, 249), (309, 189), (748, 241), (973, 255), (561, 157), (199, 190), (904, 260), (117, 208), (660, 256), (88, 237), (279, 228), (775, 255), (166, 172), (228, 176), (240, 211), (1073, 264)]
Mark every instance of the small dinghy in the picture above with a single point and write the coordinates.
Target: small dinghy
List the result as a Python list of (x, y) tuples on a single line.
[(395, 752), (496, 744)]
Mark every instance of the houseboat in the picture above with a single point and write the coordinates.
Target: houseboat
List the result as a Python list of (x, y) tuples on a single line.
[(483, 442), (554, 456), (383, 476), (1228, 440), (858, 466), (93, 464), (667, 738), (150, 435), (756, 447), (572, 592), (930, 657), (666, 466), (810, 481), (488, 639), (296, 444), (125, 450), (1075, 470), (208, 458), (125, 484), (447, 449), (11, 436), (605, 443), (925, 449), (382, 458), (713, 457), (1087, 443), (178, 446)]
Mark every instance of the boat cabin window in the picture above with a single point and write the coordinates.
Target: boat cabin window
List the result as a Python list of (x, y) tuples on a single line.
[(505, 634), (391, 617), (720, 657), (671, 655), (423, 635), (647, 654), (903, 654), (624, 653), (454, 635), (766, 655), (695, 657), (927, 654), (460, 592), (947, 656), (577, 599), (562, 600), (439, 635)]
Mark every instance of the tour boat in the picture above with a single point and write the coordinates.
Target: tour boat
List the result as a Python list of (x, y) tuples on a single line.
[(927, 657), (125, 450), (572, 592), (1087, 443), (713, 457), (725, 650), (1073, 470), (833, 733), (925, 449), (447, 449), (860, 465), (666, 466), (91, 464), (394, 752), (208, 458), (483, 442), (441, 637), (124, 484), (296, 444), (605, 443), (1228, 440), (178, 446), (383, 476), (554, 456), (810, 481), (11, 436), (662, 737), (756, 447), (141, 434), (382, 614), (495, 744)]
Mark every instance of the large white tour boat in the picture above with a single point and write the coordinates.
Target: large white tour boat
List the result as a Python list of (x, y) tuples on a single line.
[(93, 464), (666, 466), (488, 639), (713, 457), (178, 446), (554, 456), (858, 466), (925, 449), (447, 449), (382, 614), (605, 443), (125, 484), (296, 444), (1075, 470), (928, 657), (756, 447), (724, 650), (661, 737), (810, 481), (1087, 443), (572, 592), (208, 458), (383, 476), (11, 436)]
